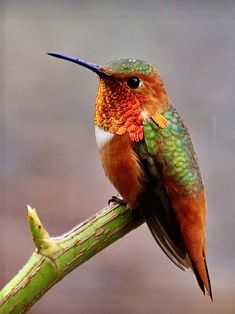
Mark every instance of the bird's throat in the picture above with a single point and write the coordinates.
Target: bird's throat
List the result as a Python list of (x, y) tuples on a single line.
[(118, 111)]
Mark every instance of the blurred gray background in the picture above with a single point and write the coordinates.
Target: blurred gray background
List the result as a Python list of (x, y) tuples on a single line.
[(49, 157)]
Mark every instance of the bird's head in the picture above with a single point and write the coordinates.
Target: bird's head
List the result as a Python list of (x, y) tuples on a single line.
[(129, 91)]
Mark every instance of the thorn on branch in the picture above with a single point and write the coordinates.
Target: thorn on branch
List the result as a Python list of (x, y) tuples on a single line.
[(45, 245)]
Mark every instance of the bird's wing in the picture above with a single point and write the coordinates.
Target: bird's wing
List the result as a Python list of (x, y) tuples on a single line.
[(173, 201), (158, 212)]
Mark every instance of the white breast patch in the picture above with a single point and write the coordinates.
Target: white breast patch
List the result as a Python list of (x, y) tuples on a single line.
[(102, 137)]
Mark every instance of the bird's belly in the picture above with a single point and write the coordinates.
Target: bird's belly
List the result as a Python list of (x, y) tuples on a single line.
[(122, 167)]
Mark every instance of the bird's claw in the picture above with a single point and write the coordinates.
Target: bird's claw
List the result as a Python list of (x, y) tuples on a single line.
[(117, 200)]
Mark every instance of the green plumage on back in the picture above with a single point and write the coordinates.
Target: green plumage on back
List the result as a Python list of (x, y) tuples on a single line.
[(174, 152)]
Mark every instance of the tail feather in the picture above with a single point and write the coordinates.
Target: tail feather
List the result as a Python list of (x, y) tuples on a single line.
[(178, 255), (198, 277), (191, 212), (200, 270), (165, 229)]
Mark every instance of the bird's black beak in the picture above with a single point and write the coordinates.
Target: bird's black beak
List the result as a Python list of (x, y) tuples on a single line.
[(91, 66)]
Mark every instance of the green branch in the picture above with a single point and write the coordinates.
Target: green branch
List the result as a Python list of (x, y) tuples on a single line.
[(54, 258)]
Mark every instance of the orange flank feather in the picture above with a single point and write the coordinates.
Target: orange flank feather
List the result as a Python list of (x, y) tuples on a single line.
[(121, 166)]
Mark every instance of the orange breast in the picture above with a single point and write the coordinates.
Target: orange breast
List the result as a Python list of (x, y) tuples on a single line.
[(122, 167)]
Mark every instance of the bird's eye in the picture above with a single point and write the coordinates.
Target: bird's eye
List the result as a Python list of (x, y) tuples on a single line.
[(133, 82)]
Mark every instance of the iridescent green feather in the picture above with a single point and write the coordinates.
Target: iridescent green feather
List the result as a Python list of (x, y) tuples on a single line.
[(174, 151)]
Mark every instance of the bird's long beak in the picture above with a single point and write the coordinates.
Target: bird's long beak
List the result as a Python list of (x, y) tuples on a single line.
[(91, 66)]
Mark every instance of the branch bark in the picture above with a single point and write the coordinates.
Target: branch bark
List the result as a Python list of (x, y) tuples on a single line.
[(54, 258)]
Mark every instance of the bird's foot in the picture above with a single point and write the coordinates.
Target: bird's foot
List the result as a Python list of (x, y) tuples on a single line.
[(117, 200)]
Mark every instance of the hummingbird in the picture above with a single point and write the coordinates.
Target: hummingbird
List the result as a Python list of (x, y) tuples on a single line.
[(147, 154)]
